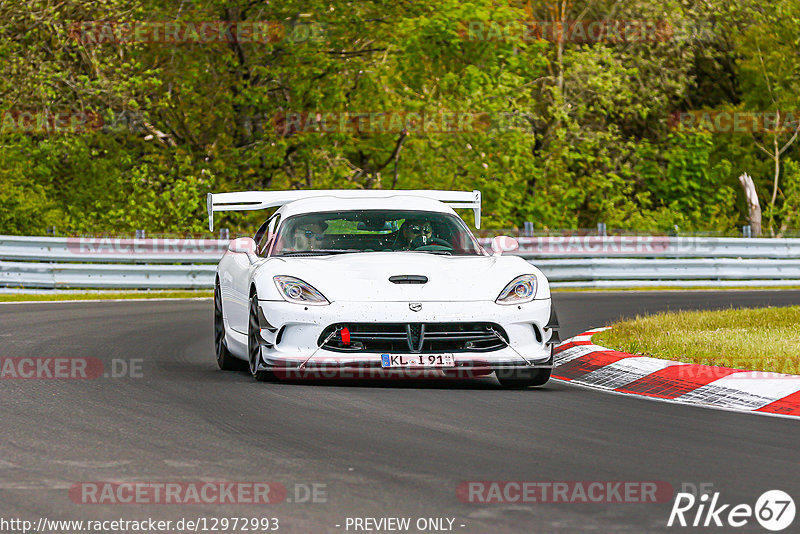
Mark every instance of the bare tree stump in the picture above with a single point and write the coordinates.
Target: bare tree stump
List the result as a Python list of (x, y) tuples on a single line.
[(753, 207)]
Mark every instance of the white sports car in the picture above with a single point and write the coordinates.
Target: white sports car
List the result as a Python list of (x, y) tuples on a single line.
[(377, 283)]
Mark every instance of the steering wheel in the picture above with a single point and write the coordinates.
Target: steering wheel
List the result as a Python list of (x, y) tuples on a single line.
[(434, 243)]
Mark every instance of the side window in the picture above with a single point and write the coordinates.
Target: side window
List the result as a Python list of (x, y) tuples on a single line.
[(261, 237), (269, 237)]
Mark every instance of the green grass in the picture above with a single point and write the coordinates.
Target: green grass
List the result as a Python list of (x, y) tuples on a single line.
[(759, 339), (39, 297)]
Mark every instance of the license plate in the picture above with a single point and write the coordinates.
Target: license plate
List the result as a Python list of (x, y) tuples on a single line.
[(417, 360)]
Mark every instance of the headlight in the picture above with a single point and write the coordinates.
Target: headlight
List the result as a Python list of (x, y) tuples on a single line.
[(521, 289), (295, 290)]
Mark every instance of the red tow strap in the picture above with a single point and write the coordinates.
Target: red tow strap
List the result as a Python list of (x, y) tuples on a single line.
[(345, 336)]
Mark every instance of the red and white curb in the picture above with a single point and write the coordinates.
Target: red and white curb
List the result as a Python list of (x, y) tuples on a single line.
[(580, 361)]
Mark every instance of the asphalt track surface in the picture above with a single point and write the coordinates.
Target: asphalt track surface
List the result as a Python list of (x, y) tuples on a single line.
[(382, 449)]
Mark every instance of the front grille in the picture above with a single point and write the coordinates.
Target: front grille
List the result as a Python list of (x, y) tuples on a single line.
[(414, 338)]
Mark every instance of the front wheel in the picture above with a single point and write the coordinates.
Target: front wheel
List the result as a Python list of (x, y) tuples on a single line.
[(225, 360), (523, 378), (253, 343)]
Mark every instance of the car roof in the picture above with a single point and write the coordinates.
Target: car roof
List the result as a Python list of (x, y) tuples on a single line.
[(335, 203)]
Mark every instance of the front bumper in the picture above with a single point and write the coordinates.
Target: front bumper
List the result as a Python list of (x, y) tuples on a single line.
[(292, 332)]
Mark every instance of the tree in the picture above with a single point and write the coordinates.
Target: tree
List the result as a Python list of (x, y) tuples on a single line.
[(771, 88)]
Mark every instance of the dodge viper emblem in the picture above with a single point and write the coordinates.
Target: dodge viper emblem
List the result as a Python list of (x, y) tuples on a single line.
[(415, 306)]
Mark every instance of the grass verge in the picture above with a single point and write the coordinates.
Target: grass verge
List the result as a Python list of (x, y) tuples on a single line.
[(39, 297), (758, 339)]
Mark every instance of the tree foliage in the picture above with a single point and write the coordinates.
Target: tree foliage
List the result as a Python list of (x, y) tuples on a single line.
[(577, 132)]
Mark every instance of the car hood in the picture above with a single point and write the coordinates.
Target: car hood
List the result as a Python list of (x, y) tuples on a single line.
[(365, 276)]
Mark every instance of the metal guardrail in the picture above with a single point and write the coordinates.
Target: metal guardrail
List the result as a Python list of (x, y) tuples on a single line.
[(593, 246), (111, 250), (643, 272), (74, 275), (570, 261)]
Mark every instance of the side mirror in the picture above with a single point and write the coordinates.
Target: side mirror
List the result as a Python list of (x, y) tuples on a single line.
[(503, 243), (242, 245)]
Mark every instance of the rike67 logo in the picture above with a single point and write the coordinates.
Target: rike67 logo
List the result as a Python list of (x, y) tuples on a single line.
[(774, 510)]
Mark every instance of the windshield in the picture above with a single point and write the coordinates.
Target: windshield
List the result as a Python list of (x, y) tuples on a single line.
[(342, 232)]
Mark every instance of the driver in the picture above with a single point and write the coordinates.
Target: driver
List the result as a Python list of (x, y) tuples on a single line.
[(414, 233), (308, 236)]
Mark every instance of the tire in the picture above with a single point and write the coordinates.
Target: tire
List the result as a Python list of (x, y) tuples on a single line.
[(253, 345), (523, 378), (225, 360)]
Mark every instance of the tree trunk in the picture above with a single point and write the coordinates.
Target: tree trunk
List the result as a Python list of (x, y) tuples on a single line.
[(753, 207), (775, 185)]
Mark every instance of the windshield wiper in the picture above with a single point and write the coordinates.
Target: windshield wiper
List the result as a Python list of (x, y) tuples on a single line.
[(440, 252), (319, 252)]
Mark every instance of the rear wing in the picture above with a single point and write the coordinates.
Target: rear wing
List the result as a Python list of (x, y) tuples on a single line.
[(259, 200)]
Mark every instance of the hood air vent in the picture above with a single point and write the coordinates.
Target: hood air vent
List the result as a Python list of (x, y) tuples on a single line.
[(408, 279)]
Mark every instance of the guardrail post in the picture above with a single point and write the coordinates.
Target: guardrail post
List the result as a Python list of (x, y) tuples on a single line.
[(224, 234), (747, 231), (139, 234), (601, 229), (527, 229)]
